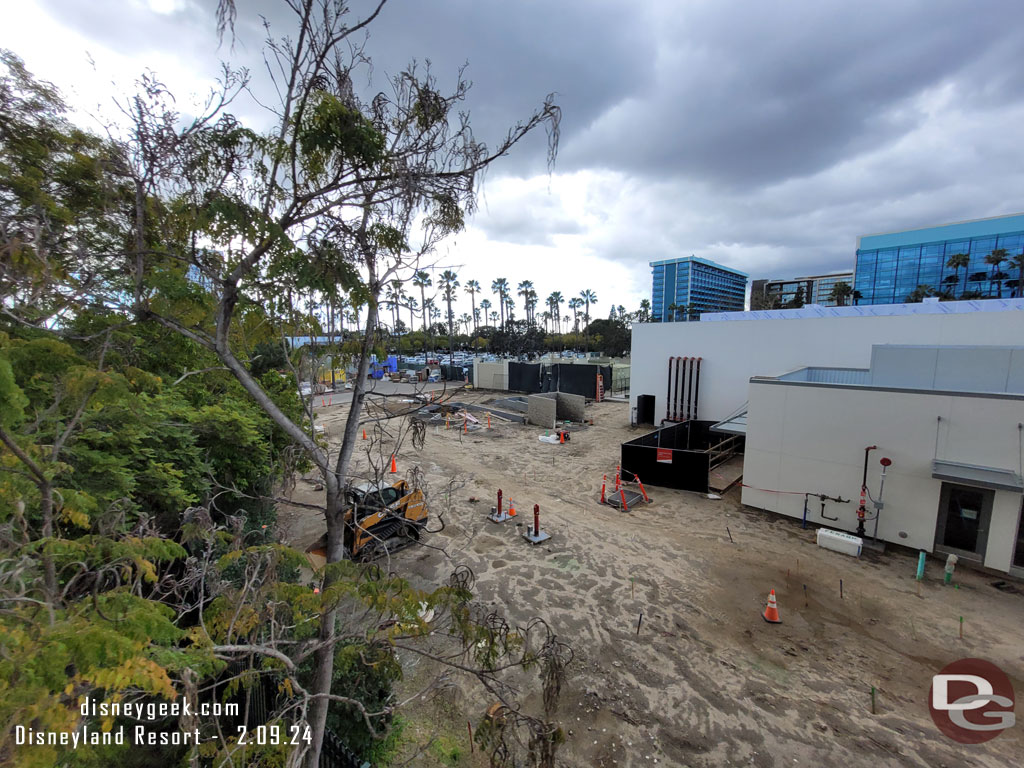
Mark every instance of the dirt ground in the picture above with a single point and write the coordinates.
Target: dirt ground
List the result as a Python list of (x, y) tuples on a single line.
[(705, 682)]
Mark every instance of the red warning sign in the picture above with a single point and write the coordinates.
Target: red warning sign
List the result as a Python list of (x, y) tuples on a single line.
[(665, 455)]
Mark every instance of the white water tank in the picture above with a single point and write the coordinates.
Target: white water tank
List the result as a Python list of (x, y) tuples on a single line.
[(840, 541)]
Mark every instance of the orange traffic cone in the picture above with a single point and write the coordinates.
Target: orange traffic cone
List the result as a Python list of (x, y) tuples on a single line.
[(511, 508), (561, 438), (771, 613), (394, 465), (364, 434), (604, 479)]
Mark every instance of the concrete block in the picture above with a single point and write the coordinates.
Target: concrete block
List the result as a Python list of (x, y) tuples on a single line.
[(542, 410), (570, 407)]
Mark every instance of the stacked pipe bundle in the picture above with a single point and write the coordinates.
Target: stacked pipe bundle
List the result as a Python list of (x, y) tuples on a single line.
[(683, 388)]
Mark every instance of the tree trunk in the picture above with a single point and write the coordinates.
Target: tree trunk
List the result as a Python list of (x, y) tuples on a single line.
[(323, 659)]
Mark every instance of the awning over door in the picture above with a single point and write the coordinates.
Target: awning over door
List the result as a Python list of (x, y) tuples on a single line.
[(972, 474)]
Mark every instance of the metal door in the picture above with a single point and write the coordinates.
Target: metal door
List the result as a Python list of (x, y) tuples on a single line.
[(963, 521)]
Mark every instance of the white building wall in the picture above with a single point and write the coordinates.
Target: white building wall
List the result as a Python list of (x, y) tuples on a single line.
[(812, 438), (735, 350)]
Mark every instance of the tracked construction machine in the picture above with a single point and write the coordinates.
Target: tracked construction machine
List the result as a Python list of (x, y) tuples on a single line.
[(383, 518)]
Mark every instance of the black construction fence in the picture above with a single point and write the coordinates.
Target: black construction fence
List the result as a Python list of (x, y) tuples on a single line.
[(678, 456), (570, 379)]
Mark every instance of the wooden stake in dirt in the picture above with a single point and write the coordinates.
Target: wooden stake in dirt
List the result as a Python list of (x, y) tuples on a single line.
[(632, 587), (730, 535), (840, 589), (639, 622), (873, 700), (806, 604), (961, 627), (469, 725)]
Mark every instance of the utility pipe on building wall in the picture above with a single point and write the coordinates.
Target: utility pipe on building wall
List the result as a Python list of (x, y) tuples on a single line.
[(886, 463), (680, 415), (689, 393), (668, 394), (696, 392), (862, 510)]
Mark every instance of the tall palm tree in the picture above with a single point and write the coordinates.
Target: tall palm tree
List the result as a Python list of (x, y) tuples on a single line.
[(588, 297), (427, 310), (645, 311), (622, 312), (840, 292), (423, 281), (449, 281), (485, 305), (546, 317), (473, 288), (395, 294), (555, 300), (997, 257), (499, 286), (1018, 262), (466, 321), (411, 305), (957, 262), (494, 316), (531, 305), (523, 289), (574, 304)]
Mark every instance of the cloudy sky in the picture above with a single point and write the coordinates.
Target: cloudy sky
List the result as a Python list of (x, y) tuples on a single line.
[(762, 135)]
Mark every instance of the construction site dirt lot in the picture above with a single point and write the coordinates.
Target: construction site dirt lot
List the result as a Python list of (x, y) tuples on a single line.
[(705, 681)]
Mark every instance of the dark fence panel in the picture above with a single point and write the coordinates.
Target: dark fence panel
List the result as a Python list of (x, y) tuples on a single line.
[(581, 379), (524, 377), (685, 460), (685, 470)]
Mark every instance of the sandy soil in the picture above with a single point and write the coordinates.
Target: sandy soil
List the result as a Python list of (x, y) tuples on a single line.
[(706, 682)]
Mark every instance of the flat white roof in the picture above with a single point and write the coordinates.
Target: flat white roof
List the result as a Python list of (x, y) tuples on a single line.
[(926, 307)]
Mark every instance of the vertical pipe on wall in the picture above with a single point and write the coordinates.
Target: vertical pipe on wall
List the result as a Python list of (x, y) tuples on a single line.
[(696, 389), (675, 389), (668, 395), (690, 398)]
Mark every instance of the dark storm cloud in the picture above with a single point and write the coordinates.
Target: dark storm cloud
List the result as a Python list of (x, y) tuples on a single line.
[(750, 93), (590, 53), (765, 135)]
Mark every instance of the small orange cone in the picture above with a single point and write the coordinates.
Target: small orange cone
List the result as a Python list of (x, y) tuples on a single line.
[(511, 508), (561, 438), (364, 434), (394, 465), (771, 613), (604, 479)]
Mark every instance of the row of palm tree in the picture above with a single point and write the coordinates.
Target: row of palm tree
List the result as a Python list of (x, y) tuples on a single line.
[(995, 259), (484, 312)]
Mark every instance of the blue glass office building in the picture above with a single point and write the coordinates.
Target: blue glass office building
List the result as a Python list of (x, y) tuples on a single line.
[(891, 266), (699, 284)]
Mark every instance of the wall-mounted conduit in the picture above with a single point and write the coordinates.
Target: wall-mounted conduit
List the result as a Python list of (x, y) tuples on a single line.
[(683, 388)]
